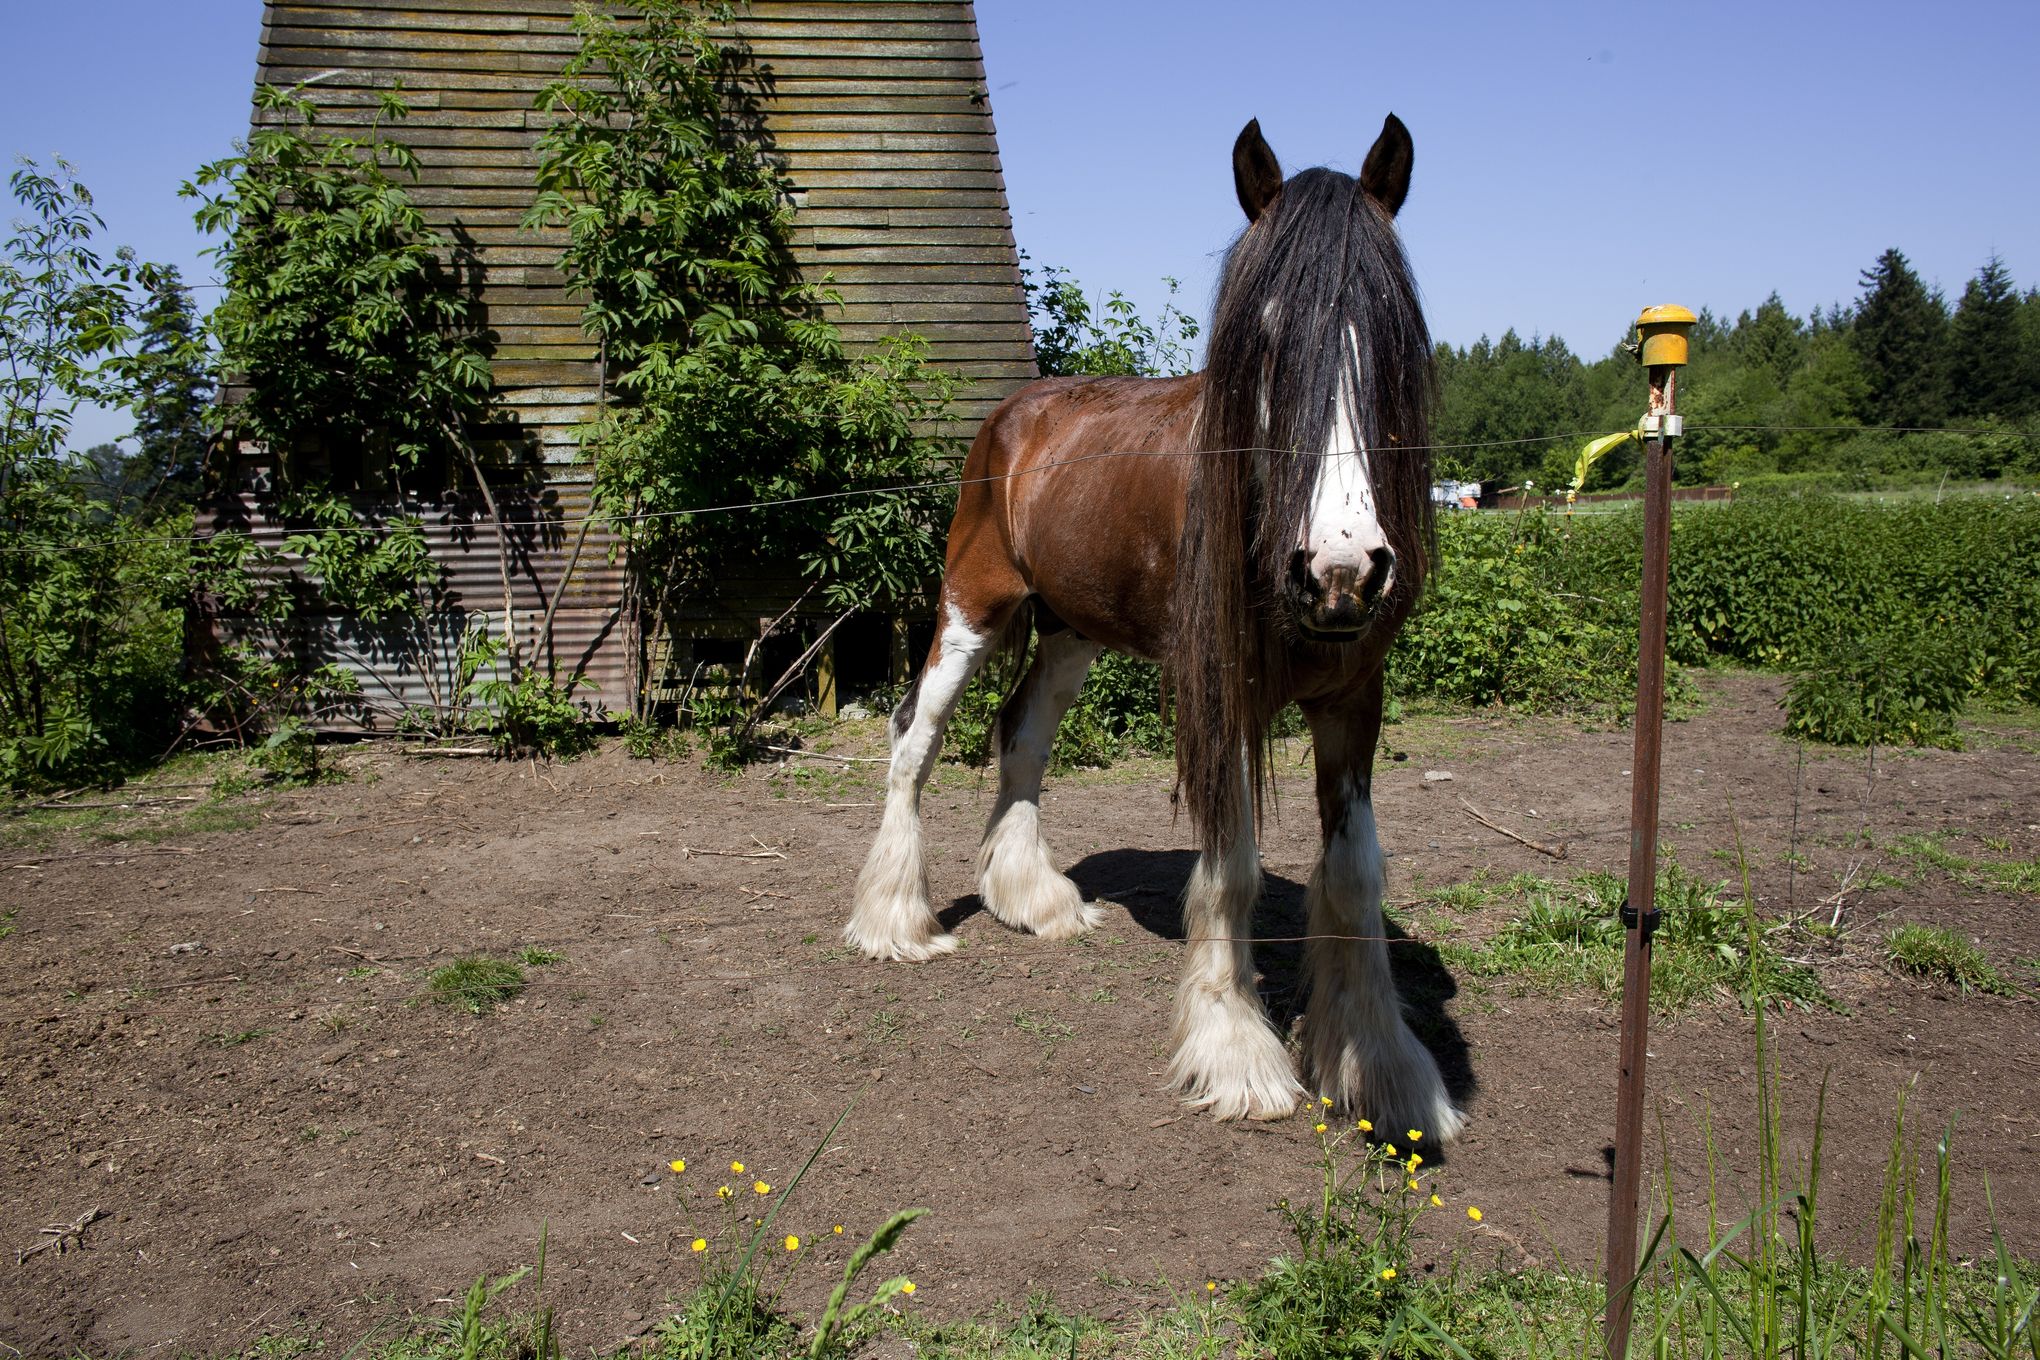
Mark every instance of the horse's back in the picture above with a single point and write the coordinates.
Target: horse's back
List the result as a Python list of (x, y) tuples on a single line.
[(1074, 492)]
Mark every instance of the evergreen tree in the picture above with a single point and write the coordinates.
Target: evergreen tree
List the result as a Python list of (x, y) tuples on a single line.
[(173, 390), (1901, 335), (1771, 340), (1986, 352)]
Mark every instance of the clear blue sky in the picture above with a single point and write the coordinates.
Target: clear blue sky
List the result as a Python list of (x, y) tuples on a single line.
[(1569, 171)]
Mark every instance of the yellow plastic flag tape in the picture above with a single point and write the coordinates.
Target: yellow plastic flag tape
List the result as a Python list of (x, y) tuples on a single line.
[(1593, 453)]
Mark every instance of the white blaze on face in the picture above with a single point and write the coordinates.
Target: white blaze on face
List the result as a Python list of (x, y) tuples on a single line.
[(1342, 528)]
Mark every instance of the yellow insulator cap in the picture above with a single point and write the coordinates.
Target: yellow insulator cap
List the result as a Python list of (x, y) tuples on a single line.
[(1664, 330)]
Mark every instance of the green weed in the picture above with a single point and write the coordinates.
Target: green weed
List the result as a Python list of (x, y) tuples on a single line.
[(1044, 1027), (1943, 955), (1567, 937), (2008, 876), (476, 984), (536, 956)]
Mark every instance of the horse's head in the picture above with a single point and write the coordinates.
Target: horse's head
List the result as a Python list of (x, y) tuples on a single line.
[(1320, 361)]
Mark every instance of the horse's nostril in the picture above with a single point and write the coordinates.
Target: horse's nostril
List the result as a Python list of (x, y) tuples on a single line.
[(1380, 566)]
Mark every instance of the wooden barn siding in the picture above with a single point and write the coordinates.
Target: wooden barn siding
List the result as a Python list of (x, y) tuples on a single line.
[(878, 109), (880, 113)]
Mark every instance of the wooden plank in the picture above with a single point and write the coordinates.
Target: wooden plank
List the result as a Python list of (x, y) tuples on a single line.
[(847, 237), (813, 167), (487, 48)]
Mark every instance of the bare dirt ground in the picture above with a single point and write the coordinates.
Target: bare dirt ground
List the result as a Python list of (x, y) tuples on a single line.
[(217, 1038)]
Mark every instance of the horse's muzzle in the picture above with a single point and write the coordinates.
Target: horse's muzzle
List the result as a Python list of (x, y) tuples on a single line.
[(1338, 604)]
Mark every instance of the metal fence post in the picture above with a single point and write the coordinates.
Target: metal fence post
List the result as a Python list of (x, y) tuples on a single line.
[(1663, 331)]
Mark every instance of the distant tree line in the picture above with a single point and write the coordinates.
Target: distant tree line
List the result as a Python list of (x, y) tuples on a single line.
[(1853, 394)]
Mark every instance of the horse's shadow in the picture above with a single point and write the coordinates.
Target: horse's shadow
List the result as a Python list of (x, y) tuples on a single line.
[(1149, 884)]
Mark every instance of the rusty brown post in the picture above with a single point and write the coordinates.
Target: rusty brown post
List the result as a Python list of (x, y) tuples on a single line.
[(1663, 331)]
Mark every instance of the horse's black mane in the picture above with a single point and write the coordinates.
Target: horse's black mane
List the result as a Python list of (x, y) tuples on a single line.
[(1323, 260)]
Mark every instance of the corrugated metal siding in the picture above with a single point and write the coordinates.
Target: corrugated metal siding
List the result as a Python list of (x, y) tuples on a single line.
[(400, 667), (881, 114)]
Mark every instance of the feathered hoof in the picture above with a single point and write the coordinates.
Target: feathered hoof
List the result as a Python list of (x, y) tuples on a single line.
[(1390, 1079), (900, 945), (1230, 1063)]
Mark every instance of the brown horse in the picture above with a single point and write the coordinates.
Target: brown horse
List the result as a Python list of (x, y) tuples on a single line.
[(1263, 537)]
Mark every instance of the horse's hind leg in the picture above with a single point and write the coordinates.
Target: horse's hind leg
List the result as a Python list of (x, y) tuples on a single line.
[(1357, 1045), (890, 916), (1228, 1059), (1017, 877)]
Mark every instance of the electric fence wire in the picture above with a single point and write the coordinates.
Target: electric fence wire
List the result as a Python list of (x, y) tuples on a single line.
[(954, 483)]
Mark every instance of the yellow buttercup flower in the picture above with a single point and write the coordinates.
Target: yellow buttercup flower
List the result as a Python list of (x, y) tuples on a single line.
[(1416, 1135), (1411, 1186), (1473, 1213), (1320, 1128), (678, 1164), (737, 1167), (761, 1187), (907, 1288), (699, 1244), (1388, 1274), (1211, 1286), (1437, 1203), (839, 1230), (1326, 1101), (1365, 1126), (792, 1242), (724, 1192), (1389, 1148)]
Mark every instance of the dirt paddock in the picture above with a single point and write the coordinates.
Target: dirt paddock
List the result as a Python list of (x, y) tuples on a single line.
[(217, 1040)]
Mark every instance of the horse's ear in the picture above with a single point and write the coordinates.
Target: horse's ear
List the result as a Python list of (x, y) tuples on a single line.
[(1256, 174), (1387, 172)]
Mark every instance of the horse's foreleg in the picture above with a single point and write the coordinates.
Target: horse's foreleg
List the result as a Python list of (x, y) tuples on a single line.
[(890, 916), (1017, 877), (1229, 1058), (1360, 1050)]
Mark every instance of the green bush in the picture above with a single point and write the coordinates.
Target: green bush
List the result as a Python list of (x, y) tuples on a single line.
[(91, 624), (1520, 613), (1892, 616)]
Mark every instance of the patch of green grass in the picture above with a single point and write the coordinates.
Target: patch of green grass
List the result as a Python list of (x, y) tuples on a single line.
[(1045, 1027), (1999, 875), (886, 1026), (1943, 955), (1568, 937), (7, 921), (476, 984), (535, 956)]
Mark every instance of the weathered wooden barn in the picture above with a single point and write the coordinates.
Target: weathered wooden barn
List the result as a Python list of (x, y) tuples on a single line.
[(881, 113)]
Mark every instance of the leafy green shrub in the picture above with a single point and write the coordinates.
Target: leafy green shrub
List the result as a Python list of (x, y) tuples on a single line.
[(1118, 711), (1517, 615), (532, 715), (1894, 616), (733, 386), (1886, 689), (91, 620)]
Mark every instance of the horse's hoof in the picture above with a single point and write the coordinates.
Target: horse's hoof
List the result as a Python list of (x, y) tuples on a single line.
[(1068, 922), (898, 946), (1390, 1079), (1230, 1062)]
